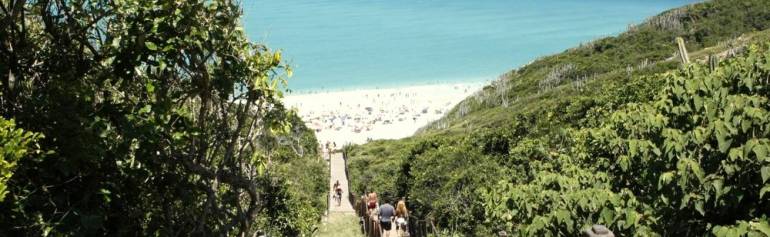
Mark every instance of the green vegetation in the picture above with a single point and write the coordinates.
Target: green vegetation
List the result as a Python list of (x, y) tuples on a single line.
[(340, 225), (692, 159), (157, 118), (16, 143), (614, 132)]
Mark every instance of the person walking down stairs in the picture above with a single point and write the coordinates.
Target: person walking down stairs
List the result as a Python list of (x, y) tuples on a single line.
[(387, 214), (337, 193), (402, 218)]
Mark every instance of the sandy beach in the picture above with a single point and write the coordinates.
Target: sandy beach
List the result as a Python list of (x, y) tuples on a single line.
[(356, 116)]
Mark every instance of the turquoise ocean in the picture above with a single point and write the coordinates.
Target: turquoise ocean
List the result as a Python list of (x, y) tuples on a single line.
[(345, 44)]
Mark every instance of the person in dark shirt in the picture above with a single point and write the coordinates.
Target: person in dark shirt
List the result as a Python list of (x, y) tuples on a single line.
[(337, 193), (387, 213)]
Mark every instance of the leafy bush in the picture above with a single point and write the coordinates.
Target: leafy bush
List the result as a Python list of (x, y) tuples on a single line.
[(163, 119), (15, 144), (562, 202), (698, 154), (692, 161)]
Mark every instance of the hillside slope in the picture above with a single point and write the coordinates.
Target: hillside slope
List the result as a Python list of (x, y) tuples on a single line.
[(644, 49), (504, 158)]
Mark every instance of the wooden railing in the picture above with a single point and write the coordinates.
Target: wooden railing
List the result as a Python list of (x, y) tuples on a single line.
[(370, 225)]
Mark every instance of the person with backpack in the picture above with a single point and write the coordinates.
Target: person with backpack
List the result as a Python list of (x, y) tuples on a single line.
[(386, 216)]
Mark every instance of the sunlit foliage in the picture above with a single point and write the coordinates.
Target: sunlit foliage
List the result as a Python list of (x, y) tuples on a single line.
[(162, 117)]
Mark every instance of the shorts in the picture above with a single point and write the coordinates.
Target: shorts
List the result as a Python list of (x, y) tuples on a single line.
[(400, 223), (385, 225)]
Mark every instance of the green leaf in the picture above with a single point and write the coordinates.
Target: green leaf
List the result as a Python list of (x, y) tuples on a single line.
[(765, 173), (177, 135), (735, 233), (699, 208), (697, 170), (631, 218), (624, 162), (763, 191), (761, 151), (719, 231), (151, 46), (145, 109), (722, 135), (665, 179), (274, 85), (607, 216), (261, 169), (763, 227), (561, 215), (718, 184), (632, 147)]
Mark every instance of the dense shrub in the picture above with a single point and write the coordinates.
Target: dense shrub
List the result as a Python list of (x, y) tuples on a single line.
[(15, 144), (161, 118), (562, 201), (690, 162), (698, 154)]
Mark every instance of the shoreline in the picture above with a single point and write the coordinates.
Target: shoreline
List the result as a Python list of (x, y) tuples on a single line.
[(360, 115), (476, 80)]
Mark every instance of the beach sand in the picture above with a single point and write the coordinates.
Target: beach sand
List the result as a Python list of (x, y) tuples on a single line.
[(356, 116)]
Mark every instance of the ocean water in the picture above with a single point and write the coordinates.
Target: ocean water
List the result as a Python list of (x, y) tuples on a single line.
[(343, 44)]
